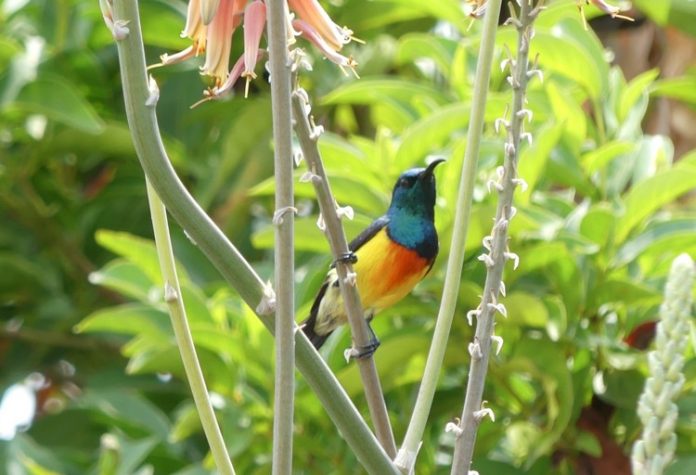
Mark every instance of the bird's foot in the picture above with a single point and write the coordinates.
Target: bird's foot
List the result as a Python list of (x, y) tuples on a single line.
[(368, 350), (346, 258), (362, 352)]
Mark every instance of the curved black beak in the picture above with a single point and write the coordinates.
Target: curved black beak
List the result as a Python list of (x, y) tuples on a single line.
[(428, 172)]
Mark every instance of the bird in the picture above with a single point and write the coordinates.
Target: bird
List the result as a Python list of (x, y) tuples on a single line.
[(393, 254)]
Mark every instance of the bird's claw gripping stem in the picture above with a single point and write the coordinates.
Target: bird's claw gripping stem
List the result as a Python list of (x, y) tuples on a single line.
[(347, 258), (366, 351)]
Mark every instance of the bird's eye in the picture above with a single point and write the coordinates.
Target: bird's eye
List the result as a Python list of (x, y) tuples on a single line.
[(405, 182)]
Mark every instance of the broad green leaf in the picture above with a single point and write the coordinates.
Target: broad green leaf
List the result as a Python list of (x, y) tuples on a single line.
[(652, 194), (132, 453), (658, 237), (127, 409), (525, 309), (28, 457), (346, 189), (624, 290), (622, 388), (587, 442), (598, 158), (637, 88), (400, 361), (414, 46), (59, 100), (568, 50), (598, 225), (8, 48), (680, 88), (128, 319), (373, 90), (567, 112), (430, 133), (128, 279), (139, 251), (393, 114), (658, 11), (308, 237)]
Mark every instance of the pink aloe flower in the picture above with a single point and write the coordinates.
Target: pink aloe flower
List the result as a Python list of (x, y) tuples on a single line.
[(316, 17), (195, 30), (610, 9), (220, 30), (317, 40), (254, 23), (210, 24)]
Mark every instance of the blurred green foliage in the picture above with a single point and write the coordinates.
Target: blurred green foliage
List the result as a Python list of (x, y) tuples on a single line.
[(607, 209)]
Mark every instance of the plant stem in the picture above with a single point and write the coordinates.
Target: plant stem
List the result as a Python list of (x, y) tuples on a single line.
[(473, 411), (182, 333), (308, 136), (284, 239), (142, 121), (408, 452)]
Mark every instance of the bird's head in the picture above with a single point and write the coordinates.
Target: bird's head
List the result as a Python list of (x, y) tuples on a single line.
[(414, 192)]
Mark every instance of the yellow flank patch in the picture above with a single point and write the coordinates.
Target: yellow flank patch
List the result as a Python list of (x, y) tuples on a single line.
[(386, 271)]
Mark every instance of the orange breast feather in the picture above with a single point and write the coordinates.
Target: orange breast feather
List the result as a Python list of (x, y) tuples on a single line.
[(387, 271)]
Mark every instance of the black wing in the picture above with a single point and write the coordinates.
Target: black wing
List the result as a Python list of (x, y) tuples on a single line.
[(368, 233)]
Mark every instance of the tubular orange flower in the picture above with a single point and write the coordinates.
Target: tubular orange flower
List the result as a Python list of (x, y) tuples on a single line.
[(219, 39), (211, 24), (207, 9), (312, 12), (342, 61), (254, 23), (195, 30)]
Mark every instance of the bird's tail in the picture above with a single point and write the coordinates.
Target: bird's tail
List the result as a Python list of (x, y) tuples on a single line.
[(308, 329)]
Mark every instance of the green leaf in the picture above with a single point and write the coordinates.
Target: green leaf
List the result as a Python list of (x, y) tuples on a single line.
[(128, 319), (637, 88), (30, 458), (652, 194), (414, 46), (598, 224), (567, 112), (127, 409), (127, 279), (586, 442), (525, 309), (374, 90), (681, 88), (568, 50), (598, 158), (8, 48), (430, 132), (622, 387), (657, 238), (59, 100), (658, 11), (139, 251), (308, 237)]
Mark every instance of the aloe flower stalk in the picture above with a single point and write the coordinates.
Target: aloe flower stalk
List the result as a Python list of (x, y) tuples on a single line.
[(656, 408)]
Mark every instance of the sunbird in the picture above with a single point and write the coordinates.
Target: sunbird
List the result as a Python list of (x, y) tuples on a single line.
[(390, 257)]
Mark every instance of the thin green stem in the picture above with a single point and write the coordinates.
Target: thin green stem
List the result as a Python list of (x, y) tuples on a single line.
[(498, 252), (182, 333), (408, 452), (222, 254), (284, 240), (307, 136)]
